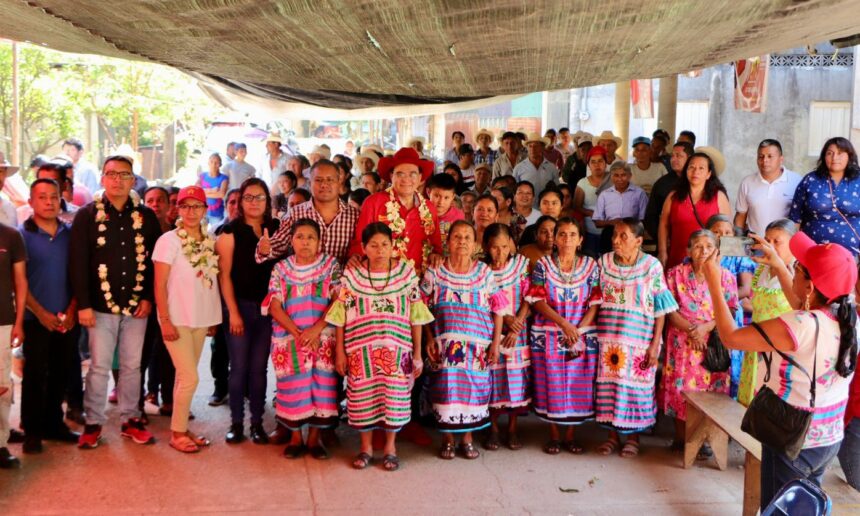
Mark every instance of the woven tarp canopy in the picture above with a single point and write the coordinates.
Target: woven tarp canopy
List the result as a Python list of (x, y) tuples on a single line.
[(351, 54)]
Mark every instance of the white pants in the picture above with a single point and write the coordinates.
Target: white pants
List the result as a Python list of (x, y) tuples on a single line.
[(5, 382)]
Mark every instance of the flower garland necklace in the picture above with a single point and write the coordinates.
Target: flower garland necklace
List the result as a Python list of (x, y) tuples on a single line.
[(199, 253), (139, 249), (398, 225)]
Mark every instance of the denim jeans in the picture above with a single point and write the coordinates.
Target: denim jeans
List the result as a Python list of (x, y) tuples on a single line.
[(849, 453), (110, 333), (777, 469), (249, 359)]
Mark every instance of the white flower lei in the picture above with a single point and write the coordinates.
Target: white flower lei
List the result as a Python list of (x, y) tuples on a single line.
[(398, 225), (139, 249), (200, 254)]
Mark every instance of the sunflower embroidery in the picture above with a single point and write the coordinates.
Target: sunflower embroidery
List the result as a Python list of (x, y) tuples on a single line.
[(614, 359)]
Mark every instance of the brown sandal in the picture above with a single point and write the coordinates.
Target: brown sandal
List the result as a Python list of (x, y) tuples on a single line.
[(447, 452), (184, 444), (630, 449), (609, 447), (468, 451)]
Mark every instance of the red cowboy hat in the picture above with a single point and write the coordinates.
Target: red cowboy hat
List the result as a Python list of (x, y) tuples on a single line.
[(405, 155)]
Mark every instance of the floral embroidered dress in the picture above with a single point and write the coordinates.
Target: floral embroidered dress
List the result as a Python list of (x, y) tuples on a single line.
[(737, 265), (684, 370), (306, 379), (632, 298), (377, 311), (563, 385), (463, 305), (768, 302), (510, 375)]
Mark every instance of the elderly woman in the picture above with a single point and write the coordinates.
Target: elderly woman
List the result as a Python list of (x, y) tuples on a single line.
[(811, 352), (827, 200), (698, 196), (466, 334), (689, 329), (543, 243), (410, 216), (565, 297), (630, 322)]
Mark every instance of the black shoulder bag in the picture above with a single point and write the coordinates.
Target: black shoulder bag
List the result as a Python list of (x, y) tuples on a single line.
[(772, 421), (717, 358)]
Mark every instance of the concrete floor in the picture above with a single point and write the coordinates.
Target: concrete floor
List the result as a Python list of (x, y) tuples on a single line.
[(121, 477)]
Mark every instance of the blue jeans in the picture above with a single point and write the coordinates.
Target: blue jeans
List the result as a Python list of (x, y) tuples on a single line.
[(849, 453), (110, 333), (249, 358), (777, 469)]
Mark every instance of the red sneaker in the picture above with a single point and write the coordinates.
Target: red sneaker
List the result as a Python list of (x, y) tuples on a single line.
[(90, 438), (134, 430)]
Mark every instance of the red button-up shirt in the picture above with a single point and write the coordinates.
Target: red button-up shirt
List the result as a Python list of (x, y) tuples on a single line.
[(373, 210)]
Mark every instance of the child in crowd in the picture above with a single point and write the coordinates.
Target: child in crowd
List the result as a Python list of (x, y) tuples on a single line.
[(301, 289), (442, 188), (509, 377), (379, 316)]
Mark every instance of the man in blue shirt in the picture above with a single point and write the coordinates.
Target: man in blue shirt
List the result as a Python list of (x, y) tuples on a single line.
[(50, 349), (620, 201)]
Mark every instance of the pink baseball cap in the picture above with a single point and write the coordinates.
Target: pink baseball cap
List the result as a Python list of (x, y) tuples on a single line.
[(831, 267), (191, 192)]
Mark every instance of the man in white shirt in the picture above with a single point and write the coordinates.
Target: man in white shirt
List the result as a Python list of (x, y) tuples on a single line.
[(767, 195), (536, 169), (85, 172), (509, 155), (7, 209), (467, 165), (645, 171), (275, 163), (565, 145), (453, 154)]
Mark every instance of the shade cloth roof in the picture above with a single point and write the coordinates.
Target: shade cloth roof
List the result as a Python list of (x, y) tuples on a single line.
[(377, 53)]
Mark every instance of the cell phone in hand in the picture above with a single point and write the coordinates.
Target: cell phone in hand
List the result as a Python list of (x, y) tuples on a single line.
[(736, 246)]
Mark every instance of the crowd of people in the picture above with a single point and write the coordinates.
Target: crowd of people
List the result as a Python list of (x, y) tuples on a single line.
[(544, 276)]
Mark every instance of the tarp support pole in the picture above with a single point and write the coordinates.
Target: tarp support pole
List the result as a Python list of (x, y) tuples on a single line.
[(854, 135), (668, 104), (622, 116)]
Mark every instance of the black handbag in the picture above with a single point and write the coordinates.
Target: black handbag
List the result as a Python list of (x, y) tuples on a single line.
[(772, 421), (717, 358)]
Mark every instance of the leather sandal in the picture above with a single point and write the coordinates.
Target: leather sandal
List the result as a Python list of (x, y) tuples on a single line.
[(447, 451), (184, 444), (468, 451), (361, 461), (390, 462)]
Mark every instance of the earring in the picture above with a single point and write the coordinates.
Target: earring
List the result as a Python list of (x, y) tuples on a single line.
[(806, 304)]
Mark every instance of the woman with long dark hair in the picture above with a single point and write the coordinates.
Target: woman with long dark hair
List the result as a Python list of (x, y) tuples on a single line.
[(698, 196), (827, 200)]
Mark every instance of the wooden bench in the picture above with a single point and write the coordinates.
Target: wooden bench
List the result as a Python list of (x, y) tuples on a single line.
[(714, 418)]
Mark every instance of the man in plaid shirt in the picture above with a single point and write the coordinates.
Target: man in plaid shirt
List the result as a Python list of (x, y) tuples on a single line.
[(337, 219)]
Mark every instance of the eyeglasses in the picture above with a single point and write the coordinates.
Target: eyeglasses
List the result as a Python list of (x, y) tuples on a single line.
[(125, 176), (410, 175), (192, 207), (254, 198)]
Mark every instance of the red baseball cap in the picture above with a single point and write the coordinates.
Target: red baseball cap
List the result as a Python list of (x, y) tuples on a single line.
[(597, 149), (831, 267), (191, 192)]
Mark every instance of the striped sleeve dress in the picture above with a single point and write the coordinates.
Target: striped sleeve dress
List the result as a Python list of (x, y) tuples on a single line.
[(463, 305), (377, 311), (563, 382), (510, 375), (632, 298), (306, 379)]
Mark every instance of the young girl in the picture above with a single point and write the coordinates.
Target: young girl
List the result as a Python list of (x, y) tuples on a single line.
[(469, 309), (768, 297), (510, 375), (379, 316), (300, 290)]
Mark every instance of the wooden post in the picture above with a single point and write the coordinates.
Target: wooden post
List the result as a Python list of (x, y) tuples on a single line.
[(622, 116), (668, 100), (752, 485)]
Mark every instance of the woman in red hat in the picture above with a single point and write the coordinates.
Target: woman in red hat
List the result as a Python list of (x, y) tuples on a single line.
[(410, 216), (813, 352)]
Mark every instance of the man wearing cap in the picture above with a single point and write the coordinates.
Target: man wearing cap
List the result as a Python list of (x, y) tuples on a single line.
[(453, 154), (509, 157), (645, 171), (659, 141), (7, 209), (50, 350), (766, 196), (482, 179), (86, 173), (274, 164), (536, 169), (238, 170), (576, 165), (565, 144), (111, 273), (336, 218), (484, 154), (467, 165), (420, 241)]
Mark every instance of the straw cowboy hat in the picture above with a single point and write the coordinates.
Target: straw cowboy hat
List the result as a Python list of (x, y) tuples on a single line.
[(368, 154), (372, 147), (8, 167), (487, 132), (607, 135), (322, 150), (581, 136), (716, 156), (416, 139), (405, 155), (537, 138), (274, 136)]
